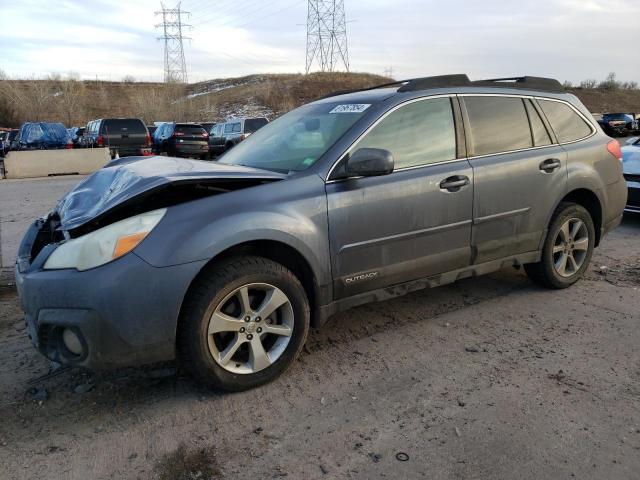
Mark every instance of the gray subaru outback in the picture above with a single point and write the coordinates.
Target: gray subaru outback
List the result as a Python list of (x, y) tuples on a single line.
[(355, 198)]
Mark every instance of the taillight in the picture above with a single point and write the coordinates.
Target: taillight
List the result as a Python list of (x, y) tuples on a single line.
[(205, 134), (100, 141), (614, 149), (148, 140), (69, 144), (242, 137)]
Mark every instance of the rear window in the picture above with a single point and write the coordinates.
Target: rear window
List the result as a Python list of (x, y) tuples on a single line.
[(123, 125), (566, 123), (190, 129), (253, 124), (498, 124)]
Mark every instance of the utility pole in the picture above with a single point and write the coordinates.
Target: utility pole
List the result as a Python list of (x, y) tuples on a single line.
[(326, 35), (175, 67), (388, 72)]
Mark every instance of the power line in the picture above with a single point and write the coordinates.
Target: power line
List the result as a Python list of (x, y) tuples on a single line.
[(326, 35), (175, 67)]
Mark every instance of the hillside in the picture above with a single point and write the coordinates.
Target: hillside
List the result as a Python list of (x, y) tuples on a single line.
[(75, 102)]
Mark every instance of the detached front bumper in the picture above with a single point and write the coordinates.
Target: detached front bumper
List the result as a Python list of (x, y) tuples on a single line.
[(124, 313)]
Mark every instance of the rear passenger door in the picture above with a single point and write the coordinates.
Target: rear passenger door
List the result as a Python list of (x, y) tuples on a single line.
[(412, 223), (519, 171)]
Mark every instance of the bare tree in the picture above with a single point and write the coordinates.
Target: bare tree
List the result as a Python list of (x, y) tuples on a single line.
[(610, 83), (589, 83)]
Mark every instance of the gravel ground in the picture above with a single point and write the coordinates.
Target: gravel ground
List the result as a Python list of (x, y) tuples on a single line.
[(487, 378)]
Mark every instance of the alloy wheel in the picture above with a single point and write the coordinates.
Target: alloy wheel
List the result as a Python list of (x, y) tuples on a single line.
[(570, 247), (250, 328)]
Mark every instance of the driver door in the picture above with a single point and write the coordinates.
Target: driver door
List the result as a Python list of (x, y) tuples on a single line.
[(409, 224)]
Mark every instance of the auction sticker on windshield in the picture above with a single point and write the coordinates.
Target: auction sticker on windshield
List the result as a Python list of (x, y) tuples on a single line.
[(351, 108)]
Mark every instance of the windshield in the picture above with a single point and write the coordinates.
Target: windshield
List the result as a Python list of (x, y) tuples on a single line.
[(296, 140)]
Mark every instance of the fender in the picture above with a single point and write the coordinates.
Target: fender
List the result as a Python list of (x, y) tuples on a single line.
[(218, 223)]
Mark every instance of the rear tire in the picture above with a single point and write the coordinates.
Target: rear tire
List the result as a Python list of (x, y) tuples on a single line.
[(567, 250), (222, 339)]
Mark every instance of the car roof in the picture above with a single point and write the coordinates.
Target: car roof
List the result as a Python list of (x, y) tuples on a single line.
[(448, 84)]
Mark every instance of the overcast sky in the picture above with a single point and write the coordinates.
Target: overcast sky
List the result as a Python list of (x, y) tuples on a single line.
[(108, 39)]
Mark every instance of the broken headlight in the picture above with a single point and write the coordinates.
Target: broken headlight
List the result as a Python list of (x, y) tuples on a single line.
[(104, 245)]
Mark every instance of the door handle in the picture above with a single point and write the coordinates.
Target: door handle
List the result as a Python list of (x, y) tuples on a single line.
[(455, 183), (549, 165)]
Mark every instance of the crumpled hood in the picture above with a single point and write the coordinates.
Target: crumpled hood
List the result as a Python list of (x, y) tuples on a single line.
[(121, 180), (631, 159)]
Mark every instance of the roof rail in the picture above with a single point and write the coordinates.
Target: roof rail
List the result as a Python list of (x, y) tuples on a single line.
[(528, 82), (344, 92), (462, 80), (533, 83)]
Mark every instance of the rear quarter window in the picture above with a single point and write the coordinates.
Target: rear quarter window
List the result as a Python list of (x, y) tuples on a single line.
[(497, 124), (124, 125), (566, 123)]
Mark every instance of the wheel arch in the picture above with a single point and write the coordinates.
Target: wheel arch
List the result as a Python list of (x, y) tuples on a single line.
[(590, 201), (277, 251)]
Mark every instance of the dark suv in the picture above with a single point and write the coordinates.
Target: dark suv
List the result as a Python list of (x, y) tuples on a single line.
[(181, 140), (124, 136), (352, 199), (224, 136)]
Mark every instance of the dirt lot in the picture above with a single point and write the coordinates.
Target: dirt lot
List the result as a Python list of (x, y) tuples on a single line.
[(488, 378)]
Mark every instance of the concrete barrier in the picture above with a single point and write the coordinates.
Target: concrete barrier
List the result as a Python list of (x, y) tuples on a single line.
[(43, 163)]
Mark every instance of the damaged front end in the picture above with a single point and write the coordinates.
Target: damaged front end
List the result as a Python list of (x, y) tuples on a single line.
[(77, 313), (132, 187)]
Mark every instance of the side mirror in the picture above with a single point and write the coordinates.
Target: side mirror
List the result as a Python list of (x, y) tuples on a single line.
[(370, 162)]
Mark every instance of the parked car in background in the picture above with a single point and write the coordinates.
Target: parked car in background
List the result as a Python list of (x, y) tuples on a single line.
[(4, 141), (11, 139), (618, 124), (76, 134), (123, 136), (225, 136), (351, 199), (631, 171), (182, 140), (42, 136), (208, 126), (152, 129)]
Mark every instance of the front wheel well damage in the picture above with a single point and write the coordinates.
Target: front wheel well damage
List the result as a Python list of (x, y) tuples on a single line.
[(279, 252), (591, 203)]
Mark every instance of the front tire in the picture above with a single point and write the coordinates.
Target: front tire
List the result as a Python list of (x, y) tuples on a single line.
[(243, 324), (567, 249)]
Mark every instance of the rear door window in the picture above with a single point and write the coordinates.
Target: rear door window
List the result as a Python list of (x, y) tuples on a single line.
[(566, 123), (416, 134), (237, 127), (538, 130), (228, 128), (497, 124)]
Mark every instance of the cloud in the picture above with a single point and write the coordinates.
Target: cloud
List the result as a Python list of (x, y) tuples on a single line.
[(567, 39)]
